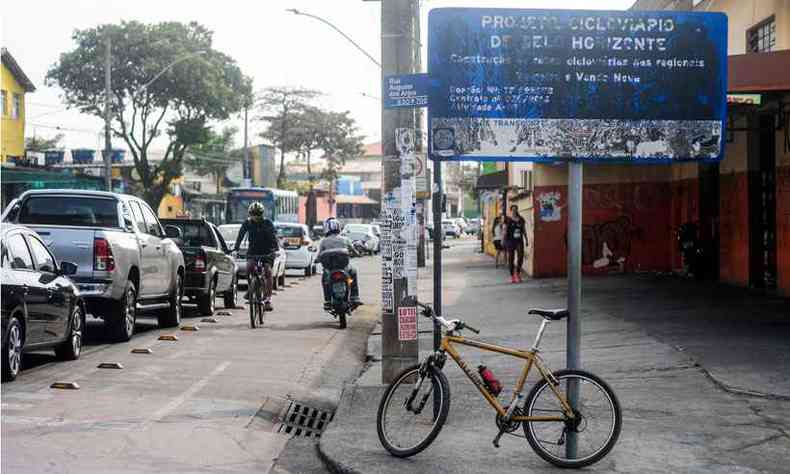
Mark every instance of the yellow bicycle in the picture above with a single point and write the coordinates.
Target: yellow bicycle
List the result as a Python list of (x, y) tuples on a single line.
[(571, 418)]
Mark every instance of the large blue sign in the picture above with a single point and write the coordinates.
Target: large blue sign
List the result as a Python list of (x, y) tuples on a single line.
[(542, 85), (406, 90)]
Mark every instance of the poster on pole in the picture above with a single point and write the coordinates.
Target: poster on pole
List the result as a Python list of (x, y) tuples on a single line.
[(407, 323), (607, 86)]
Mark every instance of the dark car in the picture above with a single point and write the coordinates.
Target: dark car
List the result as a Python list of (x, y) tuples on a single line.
[(210, 268), (41, 307)]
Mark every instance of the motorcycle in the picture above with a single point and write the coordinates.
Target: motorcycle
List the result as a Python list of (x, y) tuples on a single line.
[(359, 248), (340, 292)]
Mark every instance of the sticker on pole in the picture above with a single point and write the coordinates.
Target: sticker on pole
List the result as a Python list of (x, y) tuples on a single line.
[(609, 86), (407, 323)]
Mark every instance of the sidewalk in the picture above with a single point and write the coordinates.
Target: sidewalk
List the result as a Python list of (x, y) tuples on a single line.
[(677, 354)]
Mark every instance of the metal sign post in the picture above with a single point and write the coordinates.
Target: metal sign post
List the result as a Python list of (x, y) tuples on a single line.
[(573, 344)]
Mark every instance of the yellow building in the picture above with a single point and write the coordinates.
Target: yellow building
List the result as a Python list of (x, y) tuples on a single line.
[(13, 84)]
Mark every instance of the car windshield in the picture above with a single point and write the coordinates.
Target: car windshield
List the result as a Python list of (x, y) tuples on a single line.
[(70, 210), (289, 231), (355, 228), (357, 235)]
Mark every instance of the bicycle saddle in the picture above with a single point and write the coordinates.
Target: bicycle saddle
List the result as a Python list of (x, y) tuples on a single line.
[(553, 314)]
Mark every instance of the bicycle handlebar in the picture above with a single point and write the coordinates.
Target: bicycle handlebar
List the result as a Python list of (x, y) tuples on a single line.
[(451, 325)]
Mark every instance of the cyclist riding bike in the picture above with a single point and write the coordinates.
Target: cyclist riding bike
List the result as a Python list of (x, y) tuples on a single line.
[(262, 238), (333, 254)]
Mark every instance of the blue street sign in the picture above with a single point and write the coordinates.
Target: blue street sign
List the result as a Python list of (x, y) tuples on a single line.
[(543, 85), (406, 90)]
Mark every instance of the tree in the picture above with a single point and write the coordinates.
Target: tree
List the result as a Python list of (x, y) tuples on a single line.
[(282, 105), (39, 144), (214, 156), (188, 90)]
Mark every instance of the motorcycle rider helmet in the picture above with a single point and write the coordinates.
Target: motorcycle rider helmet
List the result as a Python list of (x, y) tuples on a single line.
[(255, 210), (331, 226)]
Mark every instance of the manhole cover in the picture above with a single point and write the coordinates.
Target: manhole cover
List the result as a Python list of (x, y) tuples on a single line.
[(302, 420)]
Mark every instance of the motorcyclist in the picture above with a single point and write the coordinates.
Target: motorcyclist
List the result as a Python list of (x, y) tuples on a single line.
[(333, 254), (262, 238)]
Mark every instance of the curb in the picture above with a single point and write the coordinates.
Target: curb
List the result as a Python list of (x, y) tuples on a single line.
[(335, 467)]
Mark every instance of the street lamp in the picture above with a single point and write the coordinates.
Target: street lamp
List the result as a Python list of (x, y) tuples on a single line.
[(167, 68), (297, 12)]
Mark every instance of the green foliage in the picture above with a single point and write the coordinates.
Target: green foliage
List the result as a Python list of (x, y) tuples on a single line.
[(213, 154), (166, 79), (41, 144)]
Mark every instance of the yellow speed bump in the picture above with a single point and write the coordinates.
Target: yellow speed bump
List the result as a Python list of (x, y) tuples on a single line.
[(208, 320), (65, 385), (189, 327), (144, 350), (168, 337), (109, 365)]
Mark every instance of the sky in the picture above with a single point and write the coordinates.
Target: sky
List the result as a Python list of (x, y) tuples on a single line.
[(272, 46)]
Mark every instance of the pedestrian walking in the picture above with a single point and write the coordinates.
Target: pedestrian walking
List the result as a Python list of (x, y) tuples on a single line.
[(515, 241), (499, 233)]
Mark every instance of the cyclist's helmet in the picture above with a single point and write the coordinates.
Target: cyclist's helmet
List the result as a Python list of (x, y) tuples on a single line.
[(255, 209), (331, 226)]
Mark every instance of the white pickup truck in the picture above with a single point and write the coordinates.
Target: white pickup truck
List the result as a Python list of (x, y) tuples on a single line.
[(126, 262)]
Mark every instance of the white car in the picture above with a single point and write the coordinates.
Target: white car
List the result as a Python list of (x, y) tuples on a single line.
[(365, 234), (230, 232), (451, 228), (300, 250)]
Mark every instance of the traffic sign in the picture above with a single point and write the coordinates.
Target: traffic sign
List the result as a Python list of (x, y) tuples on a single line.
[(540, 85)]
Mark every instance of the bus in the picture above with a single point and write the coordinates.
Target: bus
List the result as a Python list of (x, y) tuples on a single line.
[(279, 205)]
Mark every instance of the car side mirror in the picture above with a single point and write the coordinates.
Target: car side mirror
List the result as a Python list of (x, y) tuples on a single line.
[(68, 268), (172, 232)]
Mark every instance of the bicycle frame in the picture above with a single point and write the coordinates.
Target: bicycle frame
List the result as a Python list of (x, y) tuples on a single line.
[(531, 359)]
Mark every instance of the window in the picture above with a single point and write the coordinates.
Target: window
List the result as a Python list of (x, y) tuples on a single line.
[(70, 210), (138, 217), (20, 255), (44, 260), (4, 98), (16, 106), (526, 180), (761, 37), (151, 222)]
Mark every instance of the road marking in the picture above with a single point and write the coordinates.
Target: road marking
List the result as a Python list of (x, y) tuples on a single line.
[(15, 406), (193, 389)]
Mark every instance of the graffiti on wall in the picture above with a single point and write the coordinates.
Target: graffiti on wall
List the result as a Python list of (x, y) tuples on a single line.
[(550, 209), (608, 244)]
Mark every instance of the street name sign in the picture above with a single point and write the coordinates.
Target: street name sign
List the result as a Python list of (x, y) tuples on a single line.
[(406, 90), (546, 85)]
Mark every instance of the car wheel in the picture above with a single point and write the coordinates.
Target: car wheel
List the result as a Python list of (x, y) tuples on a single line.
[(71, 348), (171, 317), (307, 270), (314, 269), (12, 349), (121, 322), (206, 302), (229, 298)]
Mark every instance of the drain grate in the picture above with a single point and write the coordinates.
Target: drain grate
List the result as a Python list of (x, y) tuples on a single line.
[(302, 420)]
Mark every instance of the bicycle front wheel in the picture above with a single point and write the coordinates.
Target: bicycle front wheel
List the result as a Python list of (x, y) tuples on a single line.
[(413, 410), (251, 295), (584, 440)]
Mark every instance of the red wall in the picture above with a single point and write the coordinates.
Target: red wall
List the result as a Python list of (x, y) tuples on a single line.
[(631, 219), (685, 208), (323, 212), (783, 229), (734, 228)]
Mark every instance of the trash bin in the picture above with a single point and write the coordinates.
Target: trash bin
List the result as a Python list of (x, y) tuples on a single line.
[(118, 156), (53, 157), (82, 156)]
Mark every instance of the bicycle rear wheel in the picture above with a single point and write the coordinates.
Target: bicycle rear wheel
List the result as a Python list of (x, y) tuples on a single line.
[(409, 418), (597, 425), (252, 284), (259, 300)]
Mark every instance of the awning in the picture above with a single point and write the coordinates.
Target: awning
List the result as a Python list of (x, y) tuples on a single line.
[(759, 72), (492, 180), (347, 199)]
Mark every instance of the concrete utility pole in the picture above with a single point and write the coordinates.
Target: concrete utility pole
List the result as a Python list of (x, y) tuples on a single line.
[(246, 170), (397, 58), (107, 92)]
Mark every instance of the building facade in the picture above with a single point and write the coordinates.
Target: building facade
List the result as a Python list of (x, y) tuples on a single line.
[(14, 84)]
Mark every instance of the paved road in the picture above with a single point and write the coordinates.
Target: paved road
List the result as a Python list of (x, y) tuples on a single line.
[(204, 403)]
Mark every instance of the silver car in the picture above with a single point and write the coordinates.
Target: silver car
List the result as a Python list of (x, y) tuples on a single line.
[(230, 232), (126, 261)]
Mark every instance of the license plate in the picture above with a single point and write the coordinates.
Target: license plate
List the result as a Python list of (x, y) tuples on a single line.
[(339, 288), (294, 242)]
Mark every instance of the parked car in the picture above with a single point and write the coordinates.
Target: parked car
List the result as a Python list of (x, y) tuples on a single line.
[(41, 307), (229, 232), (462, 225), (126, 261), (473, 227), (450, 228), (210, 267), (300, 250), (364, 233)]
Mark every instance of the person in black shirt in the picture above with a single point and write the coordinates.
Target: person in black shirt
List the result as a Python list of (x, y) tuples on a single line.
[(262, 238), (515, 241)]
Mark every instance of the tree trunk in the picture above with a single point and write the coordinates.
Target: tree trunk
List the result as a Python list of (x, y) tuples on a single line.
[(281, 176)]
